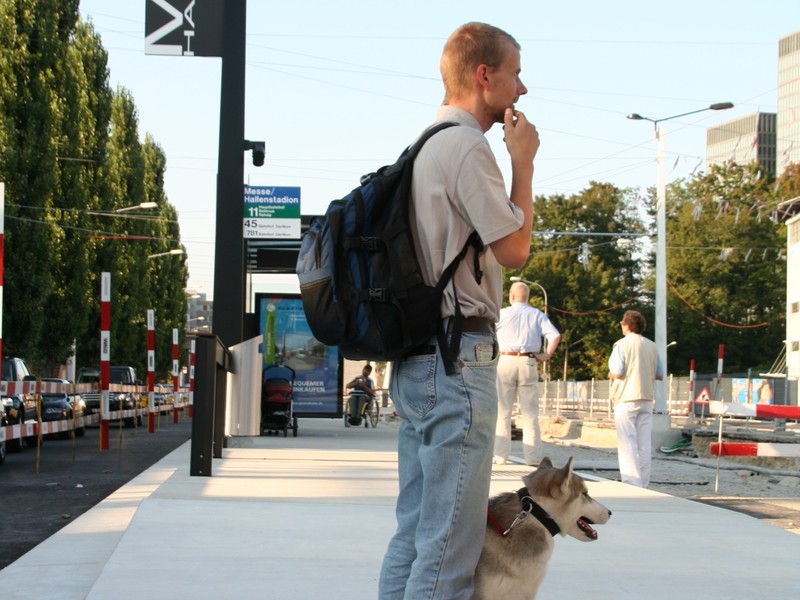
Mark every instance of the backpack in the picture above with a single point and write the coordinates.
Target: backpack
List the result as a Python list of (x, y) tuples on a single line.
[(360, 281)]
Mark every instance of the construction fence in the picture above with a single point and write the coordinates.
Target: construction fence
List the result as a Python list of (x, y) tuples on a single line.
[(685, 396)]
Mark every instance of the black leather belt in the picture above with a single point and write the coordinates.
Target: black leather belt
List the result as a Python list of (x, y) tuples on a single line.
[(423, 350), (474, 325)]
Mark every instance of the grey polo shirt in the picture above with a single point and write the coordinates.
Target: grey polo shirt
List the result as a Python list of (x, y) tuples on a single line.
[(458, 188)]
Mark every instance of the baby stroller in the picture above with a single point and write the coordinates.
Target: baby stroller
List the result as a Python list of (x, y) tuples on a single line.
[(276, 400)]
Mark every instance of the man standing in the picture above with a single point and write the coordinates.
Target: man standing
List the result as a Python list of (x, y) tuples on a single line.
[(633, 366), (445, 439), (519, 335)]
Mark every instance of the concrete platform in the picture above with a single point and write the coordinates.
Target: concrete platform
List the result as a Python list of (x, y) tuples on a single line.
[(310, 517)]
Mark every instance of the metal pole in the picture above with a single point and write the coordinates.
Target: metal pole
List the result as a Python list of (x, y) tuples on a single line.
[(661, 247), (204, 407), (661, 273), (229, 256)]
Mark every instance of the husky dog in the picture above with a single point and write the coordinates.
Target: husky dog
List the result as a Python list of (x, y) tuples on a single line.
[(521, 527)]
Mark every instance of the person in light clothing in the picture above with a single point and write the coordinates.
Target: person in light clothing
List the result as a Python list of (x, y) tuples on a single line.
[(634, 366), (519, 336)]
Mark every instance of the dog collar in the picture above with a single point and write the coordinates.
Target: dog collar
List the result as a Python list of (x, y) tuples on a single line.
[(529, 506)]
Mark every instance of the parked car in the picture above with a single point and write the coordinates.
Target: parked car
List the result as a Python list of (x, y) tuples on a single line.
[(60, 406), (19, 407), (117, 400)]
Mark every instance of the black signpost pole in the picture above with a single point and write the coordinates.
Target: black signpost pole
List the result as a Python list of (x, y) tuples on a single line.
[(229, 257)]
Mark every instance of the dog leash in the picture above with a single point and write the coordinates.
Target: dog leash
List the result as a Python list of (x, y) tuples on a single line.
[(531, 509)]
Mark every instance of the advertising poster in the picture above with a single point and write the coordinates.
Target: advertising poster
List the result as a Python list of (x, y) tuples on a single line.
[(752, 391), (288, 342)]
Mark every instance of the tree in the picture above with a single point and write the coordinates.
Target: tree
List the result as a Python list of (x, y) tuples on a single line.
[(589, 279), (84, 106), (726, 270), (33, 35), (168, 275), (70, 155)]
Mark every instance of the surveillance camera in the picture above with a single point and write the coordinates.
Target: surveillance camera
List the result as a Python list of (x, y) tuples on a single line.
[(259, 151)]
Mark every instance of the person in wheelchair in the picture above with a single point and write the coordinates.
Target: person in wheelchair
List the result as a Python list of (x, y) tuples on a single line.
[(361, 390)]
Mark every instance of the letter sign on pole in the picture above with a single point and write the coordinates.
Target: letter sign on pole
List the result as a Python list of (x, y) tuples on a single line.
[(183, 27)]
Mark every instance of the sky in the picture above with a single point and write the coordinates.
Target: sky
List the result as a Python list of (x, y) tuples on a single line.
[(337, 89)]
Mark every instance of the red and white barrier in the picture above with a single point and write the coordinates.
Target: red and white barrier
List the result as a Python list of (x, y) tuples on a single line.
[(105, 355), (175, 372), (191, 380), (31, 429), (755, 449), (151, 370), (758, 411), (23, 430)]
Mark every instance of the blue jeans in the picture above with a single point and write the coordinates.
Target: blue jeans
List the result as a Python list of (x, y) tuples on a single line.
[(445, 461)]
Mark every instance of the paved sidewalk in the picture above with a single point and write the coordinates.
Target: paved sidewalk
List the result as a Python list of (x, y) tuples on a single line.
[(310, 517)]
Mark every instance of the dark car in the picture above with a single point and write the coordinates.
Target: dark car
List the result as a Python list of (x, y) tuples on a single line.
[(117, 400), (61, 406), (19, 407)]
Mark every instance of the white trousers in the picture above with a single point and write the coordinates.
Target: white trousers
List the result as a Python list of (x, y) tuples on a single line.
[(518, 381), (634, 422)]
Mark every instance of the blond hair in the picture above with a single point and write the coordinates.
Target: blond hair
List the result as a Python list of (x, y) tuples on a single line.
[(468, 47)]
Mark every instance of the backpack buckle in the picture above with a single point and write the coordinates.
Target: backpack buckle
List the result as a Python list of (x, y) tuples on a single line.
[(370, 243), (377, 294)]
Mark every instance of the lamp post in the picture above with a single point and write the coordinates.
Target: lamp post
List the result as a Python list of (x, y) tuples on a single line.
[(173, 252), (566, 355), (143, 205), (537, 284), (196, 327), (661, 246)]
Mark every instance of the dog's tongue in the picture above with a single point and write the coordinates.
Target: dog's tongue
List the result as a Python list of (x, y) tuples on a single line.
[(587, 529)]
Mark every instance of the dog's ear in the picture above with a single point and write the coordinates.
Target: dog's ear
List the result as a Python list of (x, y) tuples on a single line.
[(565, 477)]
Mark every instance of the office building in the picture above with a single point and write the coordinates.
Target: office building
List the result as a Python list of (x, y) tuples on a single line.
[(742, 141), (788, 141)]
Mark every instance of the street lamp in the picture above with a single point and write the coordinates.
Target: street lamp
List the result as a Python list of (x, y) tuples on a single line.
[(661, 246), (143, 205), (566, 354), (174, 251), (197, 325), (537, 284)]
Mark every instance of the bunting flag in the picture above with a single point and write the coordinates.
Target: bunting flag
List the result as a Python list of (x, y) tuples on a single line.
[(725, 254)]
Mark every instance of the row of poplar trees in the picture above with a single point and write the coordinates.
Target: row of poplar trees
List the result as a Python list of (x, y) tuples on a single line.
[(70, 156)]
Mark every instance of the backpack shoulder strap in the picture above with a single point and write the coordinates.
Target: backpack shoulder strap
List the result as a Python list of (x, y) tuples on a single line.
[(415, 147), (449, 349)]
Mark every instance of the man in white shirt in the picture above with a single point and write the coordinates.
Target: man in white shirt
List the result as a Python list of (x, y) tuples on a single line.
[(519, 335)]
